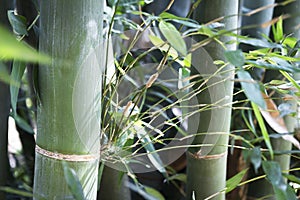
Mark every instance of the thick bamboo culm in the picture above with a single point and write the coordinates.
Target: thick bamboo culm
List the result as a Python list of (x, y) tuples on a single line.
[(69, 97)]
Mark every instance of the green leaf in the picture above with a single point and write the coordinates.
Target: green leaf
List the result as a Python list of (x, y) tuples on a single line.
[(10, 49), (251, 88), (274, 175), (16, 76), (73, 182), (140, 190), (173, 36), (154, 193), (166, 15), (4, 74), (15, 191), (100, 173), (255, 158), (236, 58), (263, 128), (149, 147), (293, 52), (22, 123), (187, 61), (17, 22), (181, 20), (278, 31), (290, 41), (258, 43), (264, 64), (234, 181), (205, 30), (178, 177), (161, 45), (292, 178), (291, 79), (288, 194), (191, 24), (277, 82)]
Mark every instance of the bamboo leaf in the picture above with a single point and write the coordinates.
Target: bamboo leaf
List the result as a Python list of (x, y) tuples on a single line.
[(251, 88), (289, 193), (272, 116), (161, 45), (264, 64), (280, 61), (290, 78), (16, 76), (275, 119), (149, 147), (4, 74), (166, 15), (234, 181), (281, 188), (10, 49), (73, 182), (278, 31), (292, 178), (255, 158), (293, 52), (173, 36), (15, 191), (22, 123), (263, 128), (154, 193), (290, 41), (186, 23), (236, 58), (178, 177), (100, 173), (18, 23), (273, 173), (181, 20), (258, 43), (140, 191)]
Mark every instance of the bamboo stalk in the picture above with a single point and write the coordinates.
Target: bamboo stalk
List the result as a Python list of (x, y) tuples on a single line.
[(69, 97), (112, 185), (206, 172), (258, 18)]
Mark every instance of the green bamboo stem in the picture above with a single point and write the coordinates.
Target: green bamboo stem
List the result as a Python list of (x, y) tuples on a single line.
[(4, 111), (206, 174), (68, 107), (112, 185), (258, 18)]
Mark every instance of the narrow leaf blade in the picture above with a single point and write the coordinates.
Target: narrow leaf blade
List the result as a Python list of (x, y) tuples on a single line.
[(73, 182), (16, 76), (235, 57), (234, 181), (10, 49), (263, 128), (251, 88), (173, 36), (17, 22)]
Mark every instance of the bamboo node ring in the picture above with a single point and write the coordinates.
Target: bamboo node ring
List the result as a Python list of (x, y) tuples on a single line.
[(66, 157)]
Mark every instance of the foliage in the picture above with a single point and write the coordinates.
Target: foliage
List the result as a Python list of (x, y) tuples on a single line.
[(128, 127)]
